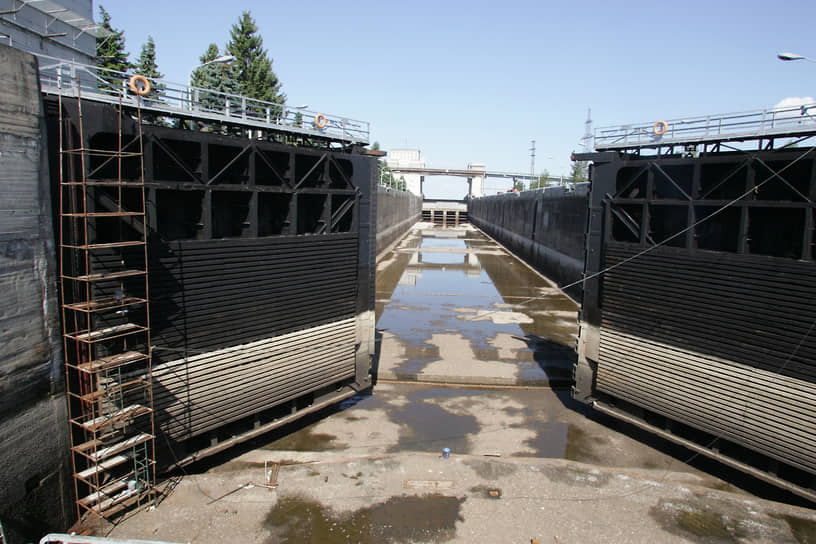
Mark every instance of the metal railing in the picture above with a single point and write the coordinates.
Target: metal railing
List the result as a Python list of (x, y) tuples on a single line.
[(788, 121), (58, 76)]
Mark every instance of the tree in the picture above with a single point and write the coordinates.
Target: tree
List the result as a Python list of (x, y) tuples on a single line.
[(218, 77), (146, 64), (110, 51), (385, 176), (541, 181), (578, 173), (147, 67), (253, 65), (518, 185)]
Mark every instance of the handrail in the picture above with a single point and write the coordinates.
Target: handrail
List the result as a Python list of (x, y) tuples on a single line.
[(777, 122), (59, 76)]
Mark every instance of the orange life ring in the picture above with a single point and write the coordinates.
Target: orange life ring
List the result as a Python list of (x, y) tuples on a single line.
[(144, 89), (320, 120), (660, 128)]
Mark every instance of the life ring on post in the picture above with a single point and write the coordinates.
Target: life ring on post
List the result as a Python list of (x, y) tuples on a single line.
[(660, 128), (136, 81), (320, 120)]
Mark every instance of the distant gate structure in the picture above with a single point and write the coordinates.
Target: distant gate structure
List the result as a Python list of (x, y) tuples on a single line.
[(698, 311)]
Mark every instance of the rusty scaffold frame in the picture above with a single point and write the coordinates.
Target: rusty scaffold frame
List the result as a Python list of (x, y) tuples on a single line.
[(105, 315)]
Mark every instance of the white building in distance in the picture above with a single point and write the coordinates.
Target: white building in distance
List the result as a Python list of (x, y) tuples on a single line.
[(408, 158)]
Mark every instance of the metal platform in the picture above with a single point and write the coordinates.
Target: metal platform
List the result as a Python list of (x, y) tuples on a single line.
[(66, 78), (796, 121)]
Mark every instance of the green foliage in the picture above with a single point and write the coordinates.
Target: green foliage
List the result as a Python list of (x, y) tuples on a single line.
[(216, 76), (578, 173), (110, 51), (541, 181), (518, 185), (253, 65), (147, 66), (385, 176)]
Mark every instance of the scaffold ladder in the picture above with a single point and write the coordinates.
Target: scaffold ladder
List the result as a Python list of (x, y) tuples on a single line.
[(105, 315)]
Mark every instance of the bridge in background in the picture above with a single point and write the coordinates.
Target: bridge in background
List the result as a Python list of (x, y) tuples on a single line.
[(476, 173)]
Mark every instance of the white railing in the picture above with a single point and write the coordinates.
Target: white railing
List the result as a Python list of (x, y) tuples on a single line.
[(788, 121), (68, 78)]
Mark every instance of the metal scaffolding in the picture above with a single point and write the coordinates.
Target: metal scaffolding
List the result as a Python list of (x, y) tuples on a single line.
[(105, 313)]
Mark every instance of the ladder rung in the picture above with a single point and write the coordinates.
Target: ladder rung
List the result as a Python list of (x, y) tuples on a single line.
[(103, 214), (100, 152), (85, 446), (119, 447), (101, 393), (101, 276), (105, 304), (112, 361), (104, 183), (104, 492), (107, 245), (107, 464), (115, 504), (107, 333), (125, 414)]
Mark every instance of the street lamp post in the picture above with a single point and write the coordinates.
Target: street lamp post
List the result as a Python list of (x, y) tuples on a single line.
[(793, 56)]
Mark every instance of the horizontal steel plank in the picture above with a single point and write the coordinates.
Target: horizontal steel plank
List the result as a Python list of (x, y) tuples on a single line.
[(700, 391)]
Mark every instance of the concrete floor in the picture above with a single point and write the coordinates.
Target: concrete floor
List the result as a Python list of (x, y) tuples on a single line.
[(527, 462)]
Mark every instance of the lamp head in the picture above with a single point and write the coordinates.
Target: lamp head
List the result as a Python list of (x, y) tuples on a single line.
[(789, 56)]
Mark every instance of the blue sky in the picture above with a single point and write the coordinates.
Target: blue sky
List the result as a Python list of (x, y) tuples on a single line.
[(477, 81)]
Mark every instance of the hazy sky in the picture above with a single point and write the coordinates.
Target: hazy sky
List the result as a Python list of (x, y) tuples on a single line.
[(477, 81)]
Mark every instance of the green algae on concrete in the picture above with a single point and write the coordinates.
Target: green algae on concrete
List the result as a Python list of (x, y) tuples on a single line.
[(804, 530), (427, 518), (304, 440)]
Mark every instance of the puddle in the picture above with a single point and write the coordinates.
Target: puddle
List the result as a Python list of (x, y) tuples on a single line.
[(429, 518), (429, 427), (457, 280)]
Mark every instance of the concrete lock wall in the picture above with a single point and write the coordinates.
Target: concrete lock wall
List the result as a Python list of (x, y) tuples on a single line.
[(545, 228), (397, 211), (35, 479)]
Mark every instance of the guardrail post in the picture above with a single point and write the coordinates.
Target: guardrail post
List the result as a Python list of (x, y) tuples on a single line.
[(268, 114), (243, 107), (227, 108)]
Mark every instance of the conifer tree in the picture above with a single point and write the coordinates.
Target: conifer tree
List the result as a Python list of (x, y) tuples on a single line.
[(253, 65), (148, 67), (110, 50), (215, 76)]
